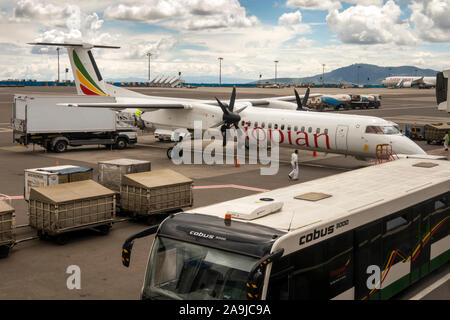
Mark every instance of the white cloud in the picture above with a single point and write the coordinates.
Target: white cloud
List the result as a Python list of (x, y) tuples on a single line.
[(431, 19), (184, 14), (314, 4), (290, 18), (371, 25)]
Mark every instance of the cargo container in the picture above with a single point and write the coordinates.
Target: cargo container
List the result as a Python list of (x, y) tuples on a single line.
[(7, 228), (110, 172), (49, 121), (435, 132), (56, 210), (50, 176), (161, 191)]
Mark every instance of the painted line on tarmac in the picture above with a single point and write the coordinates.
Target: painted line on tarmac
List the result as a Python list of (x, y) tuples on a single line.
[(230, 186), (431, 288), (11, 198)]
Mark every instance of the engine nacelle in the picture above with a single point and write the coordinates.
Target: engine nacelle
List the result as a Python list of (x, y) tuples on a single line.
[(407, 84)]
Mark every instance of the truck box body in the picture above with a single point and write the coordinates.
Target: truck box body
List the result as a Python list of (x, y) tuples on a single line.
[(70, 206), (42, 114), (154, 192), (50, 176), (7, 224), (111, 172)]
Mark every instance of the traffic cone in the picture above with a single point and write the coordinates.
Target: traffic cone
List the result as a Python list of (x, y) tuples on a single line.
[(236, 162), (57, 162), (314, 154)]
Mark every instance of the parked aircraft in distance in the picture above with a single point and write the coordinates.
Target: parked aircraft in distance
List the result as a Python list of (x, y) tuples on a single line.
[(331, 133), (409, 81)]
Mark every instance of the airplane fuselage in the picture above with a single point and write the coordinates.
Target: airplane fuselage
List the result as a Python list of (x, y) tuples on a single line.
[(323, 132)]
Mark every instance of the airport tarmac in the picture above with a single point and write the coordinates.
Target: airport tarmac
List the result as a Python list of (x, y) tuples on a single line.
[(37, 269)]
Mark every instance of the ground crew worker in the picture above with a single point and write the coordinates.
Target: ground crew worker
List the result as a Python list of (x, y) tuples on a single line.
[(138, 114), (137, 117), (293, 175), (446, 141)]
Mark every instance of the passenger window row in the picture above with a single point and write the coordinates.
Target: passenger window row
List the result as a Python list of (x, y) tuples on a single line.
[(282, 127)]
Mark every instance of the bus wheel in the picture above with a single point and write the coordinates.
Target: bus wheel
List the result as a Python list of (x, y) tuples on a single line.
[(60, 146)]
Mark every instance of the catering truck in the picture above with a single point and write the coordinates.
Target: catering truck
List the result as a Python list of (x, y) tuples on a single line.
[(49, 121), (365, 234)]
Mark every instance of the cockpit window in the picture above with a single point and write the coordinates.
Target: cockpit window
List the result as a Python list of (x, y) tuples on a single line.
[(383, 129)]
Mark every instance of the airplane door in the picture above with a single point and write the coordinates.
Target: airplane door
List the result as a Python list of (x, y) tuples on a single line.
[(341, 137)]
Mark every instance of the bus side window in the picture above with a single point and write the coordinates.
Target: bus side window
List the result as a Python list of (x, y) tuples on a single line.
[(397, 246), (339, 257), (309, 279)]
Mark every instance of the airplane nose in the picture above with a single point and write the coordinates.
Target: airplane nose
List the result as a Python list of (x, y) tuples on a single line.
[(404, 145)]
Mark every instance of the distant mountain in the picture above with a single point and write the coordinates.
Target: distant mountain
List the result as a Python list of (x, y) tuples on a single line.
[(360, 73)]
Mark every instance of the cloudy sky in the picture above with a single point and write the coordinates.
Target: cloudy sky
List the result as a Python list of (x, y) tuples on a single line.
[(189, 35)]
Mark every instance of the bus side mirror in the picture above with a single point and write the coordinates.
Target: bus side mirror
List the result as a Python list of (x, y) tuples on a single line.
[(256, 276), (128, 244)]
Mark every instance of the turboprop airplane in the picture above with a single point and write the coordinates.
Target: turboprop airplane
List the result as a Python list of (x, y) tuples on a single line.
[(409, 81), (331, 133)]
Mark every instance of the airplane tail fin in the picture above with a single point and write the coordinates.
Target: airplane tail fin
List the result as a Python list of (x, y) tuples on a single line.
[(86, 74)]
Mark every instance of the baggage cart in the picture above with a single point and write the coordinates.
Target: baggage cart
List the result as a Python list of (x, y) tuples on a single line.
[(49, 176), (149, 193), (110, 172), (56, 210), (7, 228), (435, 132)]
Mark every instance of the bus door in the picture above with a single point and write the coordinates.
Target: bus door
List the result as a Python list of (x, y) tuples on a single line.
[(367, 246)]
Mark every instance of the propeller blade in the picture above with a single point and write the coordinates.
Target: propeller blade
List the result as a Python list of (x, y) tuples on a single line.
[(240, 110), (224, 134), (218, 124), (232, 99), (305, 98), (299, 102), (224, 109)]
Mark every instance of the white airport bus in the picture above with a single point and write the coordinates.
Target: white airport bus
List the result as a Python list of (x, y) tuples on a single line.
[(363, 234)]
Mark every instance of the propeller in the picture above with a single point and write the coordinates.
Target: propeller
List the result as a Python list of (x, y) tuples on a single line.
[(301, 105), (229, 117)]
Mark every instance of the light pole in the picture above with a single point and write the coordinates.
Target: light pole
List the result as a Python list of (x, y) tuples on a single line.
[(323, 74), (57, 50), (149, 55), (220, 70), (276, 62)]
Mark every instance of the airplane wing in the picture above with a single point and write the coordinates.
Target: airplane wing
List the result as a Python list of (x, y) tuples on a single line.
[(418, 81), (293, 99), (121, 106)]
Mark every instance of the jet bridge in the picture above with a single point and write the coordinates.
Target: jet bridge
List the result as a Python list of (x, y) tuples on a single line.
[(442, 91)]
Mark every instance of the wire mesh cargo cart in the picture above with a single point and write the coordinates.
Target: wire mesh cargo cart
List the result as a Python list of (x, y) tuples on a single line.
[(147, 194), (7, 227), (57, 210)]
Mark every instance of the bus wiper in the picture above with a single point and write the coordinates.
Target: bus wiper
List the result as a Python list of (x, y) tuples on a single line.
[(256, 275), (128, 244)]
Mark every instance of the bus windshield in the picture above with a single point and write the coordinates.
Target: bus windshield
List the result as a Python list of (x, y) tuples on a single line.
[(383, 129), (180, 270)]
